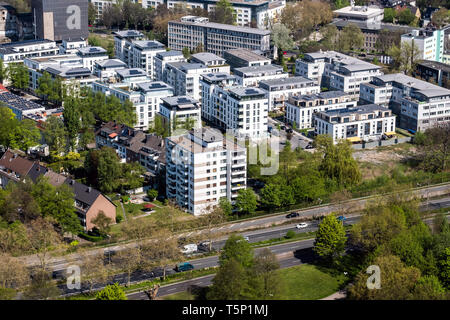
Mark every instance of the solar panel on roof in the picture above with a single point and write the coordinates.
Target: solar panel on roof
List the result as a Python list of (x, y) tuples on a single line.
[(251, 91), (134, 72), (183, 100)]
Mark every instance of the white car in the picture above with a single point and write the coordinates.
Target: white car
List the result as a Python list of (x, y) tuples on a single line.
[(302, 225), (246, 239)]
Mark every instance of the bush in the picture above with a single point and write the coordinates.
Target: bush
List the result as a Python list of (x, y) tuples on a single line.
[(152, 194), (90, 237), (119, 219), (125, 199), (290, 234)]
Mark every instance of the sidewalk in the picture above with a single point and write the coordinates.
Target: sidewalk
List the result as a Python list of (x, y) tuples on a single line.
[(340, 295)]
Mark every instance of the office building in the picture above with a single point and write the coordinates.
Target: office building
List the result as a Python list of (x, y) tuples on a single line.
[(202, 167), (195, 32)]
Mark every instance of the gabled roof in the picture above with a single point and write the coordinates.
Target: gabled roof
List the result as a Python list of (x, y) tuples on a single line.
[(15, 163)]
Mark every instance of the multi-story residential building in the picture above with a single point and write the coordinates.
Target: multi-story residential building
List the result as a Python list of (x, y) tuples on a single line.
[(251, 76), (68, 68), (419, 105), (300, 109), (134, 146), (437, 72), (142, 54), (336, 71), (185, 77), (176, 110), (100, 7), (239, 58), (131, 76), (162, 58), (242, 110), (194, 32), (71, 46), (18, 51), (106, 70), (20, 107), (123, 41), (429, 41), (361, 123), (202, 167), (145, 96), (91, 55), (212, 61), (279, 90)]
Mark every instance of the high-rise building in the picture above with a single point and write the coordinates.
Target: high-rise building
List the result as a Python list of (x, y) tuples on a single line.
[(59, 20)]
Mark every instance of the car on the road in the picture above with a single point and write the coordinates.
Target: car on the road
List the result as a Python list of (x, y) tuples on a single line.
[(269, 129), (293, 215), (302, 225), (309, 146), (185, 266), (283, 128), (189, 248), (289, 130), (246, 238), (341, 218)]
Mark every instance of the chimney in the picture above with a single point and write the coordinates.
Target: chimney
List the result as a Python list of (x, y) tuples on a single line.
[(89, 189)]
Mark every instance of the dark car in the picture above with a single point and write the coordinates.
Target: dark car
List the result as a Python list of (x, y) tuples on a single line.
[(186, 266), (289, 130), (293, 215), (283, 128), (309, 146)]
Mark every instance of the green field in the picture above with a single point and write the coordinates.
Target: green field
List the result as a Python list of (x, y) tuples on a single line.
[(305, 282)]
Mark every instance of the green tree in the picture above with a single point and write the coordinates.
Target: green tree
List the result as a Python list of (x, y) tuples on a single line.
[(405, 16), (270, 196), (92, 13), (55, 135), (330, 238), (229, 283), (266, 281), (246, 201), (103, 168), (434, 152), (72, 121), (186, 52), (226, 206), (18, 75), (429, 288), (45, 85), (102, 222), (152, 194), (351, 38), (444, 267), (281, 37), (25, 135), (406, 57), (330, 35), (223, 13), (238, 249), (111, 292), (389, 15), (3, 71)]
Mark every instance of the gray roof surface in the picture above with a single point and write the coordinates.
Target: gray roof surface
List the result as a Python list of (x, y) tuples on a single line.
[(291, 80), (179, 100), (221, 26), (246, 55), (205, 57), (257, 70), (154, 86)]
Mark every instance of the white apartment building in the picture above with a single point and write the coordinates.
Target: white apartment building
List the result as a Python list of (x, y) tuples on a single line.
[(142, 54), (185, 77), (146, 97), (212, 61), (176, 110), (162, 58), (106, 70), (361, 123), (122, 43), (279, 90), (300, 109), (100, 6), (69, 68), (251, 76), (419, 105), (239, 58), (72, 46), (91, 55), (368, 14), (202, 167), (18, 51), (336, 71), (429, 41), (242, 110)]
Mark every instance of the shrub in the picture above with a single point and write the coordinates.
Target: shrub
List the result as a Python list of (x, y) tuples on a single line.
[(290, 234), (125, 199), (119, 219), (152, 194), (90, 237)]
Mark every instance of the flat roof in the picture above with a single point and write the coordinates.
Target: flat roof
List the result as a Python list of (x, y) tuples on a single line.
[(86, 50), (359, 11), (170, 53), (184, 66), (133, 72), (363, 109), (154, 86), (246, 92), (148, 44), (246, 55), (291, 80), (321, 95), (179, 100), (218, 76), (205, 57), (221, 26), (128, 33), (256, 70), (10, 99), (111, 63), (427, 89)]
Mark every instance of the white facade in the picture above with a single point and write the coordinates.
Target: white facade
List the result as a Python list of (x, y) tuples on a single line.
[(145, 96), (176, 110), (72, 46), (279, 90), (162, 58), (91, 55), (336, 71), (18, 51), (251, 76), (429, 42), (142, 54), (242, 110), (419, 104), (371, 14), (107, 70), (300, 109), (122, 43), (202, 167), (362, 123)]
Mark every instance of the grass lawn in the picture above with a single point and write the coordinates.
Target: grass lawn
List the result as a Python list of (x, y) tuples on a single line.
[(180, 296), (307, 282)]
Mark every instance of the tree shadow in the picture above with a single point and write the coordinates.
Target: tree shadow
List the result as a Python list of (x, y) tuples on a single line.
[(198, 292)]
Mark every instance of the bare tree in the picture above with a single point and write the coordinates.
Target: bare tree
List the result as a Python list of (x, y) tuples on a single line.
[(128, 261), (93, 269), (13, 273), (211, 220)]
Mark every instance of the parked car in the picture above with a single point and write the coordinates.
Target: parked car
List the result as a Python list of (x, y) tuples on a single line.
[(189, 248), (293, 215), (289, 130), (269, 129), (302, 225), (185, 266), (246, 238), (341, 218), (309, 146), (283, 128)]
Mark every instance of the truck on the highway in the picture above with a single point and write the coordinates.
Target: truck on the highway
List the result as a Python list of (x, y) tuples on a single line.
[(189, 248)]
